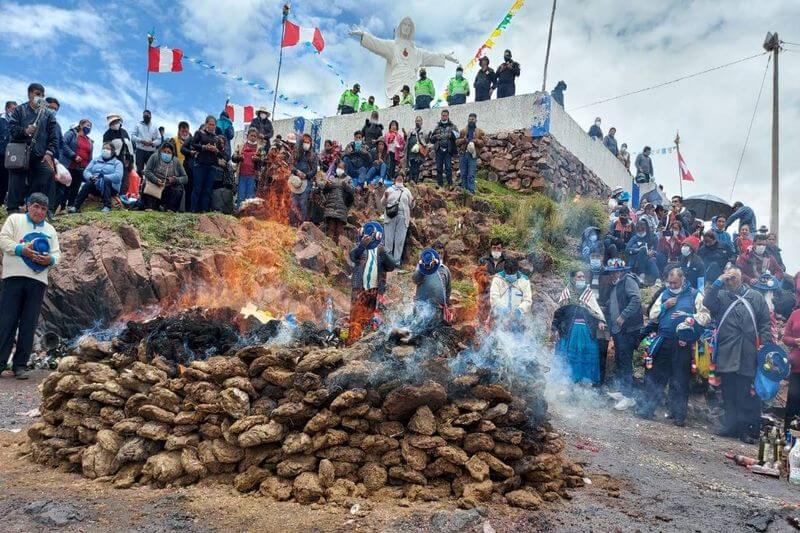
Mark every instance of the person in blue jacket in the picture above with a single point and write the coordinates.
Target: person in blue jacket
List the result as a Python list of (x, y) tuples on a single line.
[(745, 215), (641, 253), (679, 315), (103, 178)]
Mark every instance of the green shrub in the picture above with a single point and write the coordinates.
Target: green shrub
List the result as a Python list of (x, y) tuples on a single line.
[(510, 235), (581, 212), (157, 229)]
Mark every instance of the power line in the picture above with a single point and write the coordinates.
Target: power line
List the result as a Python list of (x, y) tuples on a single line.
[(686, 77), (791, 44), (750, 127)]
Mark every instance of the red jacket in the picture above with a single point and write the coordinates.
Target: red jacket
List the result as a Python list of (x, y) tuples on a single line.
[(671, 249), (753, 266), (791, 334)]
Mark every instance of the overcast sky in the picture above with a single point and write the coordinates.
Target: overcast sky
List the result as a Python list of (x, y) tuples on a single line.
[(92, 55)]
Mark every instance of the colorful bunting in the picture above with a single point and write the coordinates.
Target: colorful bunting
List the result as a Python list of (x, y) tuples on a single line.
[(488, 43), (254, 85), (327, 65)]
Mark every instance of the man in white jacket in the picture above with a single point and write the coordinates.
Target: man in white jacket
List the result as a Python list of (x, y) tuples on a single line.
[(146, 140), (510, 293), (30, 248)]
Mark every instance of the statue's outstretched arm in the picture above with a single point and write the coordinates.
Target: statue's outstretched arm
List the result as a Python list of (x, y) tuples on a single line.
[(382, 47), (434, 59)]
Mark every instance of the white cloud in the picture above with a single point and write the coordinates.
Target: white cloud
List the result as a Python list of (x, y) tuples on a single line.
[(600, 49), (32, 27)]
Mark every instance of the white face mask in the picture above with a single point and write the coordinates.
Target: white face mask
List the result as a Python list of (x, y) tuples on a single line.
[(686, 251), (106, 154), (306, 146), (496, 255), (760, 249), (596, 122), (340, 172), (580, 284)]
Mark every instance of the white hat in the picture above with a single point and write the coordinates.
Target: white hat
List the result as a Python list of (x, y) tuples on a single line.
[(297, 185), (112, 118)]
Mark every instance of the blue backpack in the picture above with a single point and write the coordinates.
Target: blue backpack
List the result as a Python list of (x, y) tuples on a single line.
[(773, 367)]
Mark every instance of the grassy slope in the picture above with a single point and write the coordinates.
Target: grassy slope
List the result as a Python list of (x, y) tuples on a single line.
[(536, 222)]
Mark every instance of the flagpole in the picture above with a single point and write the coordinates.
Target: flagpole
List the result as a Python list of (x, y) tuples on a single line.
[(150, 38), (678, 147), (280, 56)]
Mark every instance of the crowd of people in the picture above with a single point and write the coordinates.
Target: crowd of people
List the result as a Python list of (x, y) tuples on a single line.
[(203, 171), (731, 284), (735, 282), (486, 82)]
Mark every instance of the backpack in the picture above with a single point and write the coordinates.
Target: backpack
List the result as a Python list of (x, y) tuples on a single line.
[(773, 367)]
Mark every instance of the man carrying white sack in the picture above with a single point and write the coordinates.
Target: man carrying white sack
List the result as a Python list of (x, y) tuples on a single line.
[(30, 248)]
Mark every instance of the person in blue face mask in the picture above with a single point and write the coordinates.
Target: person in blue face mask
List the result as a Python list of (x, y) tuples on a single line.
[(510, 295), (575, 327), (357, 159), (166, 178)]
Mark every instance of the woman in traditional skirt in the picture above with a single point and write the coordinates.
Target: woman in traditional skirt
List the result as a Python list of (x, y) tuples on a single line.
[(576, 324)]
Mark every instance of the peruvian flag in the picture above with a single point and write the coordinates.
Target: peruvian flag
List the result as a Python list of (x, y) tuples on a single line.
[(164, 59), (294, 34), (685, 174), (240, 114)]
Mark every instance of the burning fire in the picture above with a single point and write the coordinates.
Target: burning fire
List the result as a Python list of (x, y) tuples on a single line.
[(252, 275)]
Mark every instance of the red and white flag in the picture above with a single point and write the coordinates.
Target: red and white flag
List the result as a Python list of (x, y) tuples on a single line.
[(164, 59), (240, 114), (685, 174), (294, 35)]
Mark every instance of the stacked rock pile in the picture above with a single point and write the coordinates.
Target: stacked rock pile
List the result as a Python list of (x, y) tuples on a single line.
[(305, 423)]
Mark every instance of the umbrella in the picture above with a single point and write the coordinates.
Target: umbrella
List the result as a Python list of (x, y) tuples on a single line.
[(707, 206)]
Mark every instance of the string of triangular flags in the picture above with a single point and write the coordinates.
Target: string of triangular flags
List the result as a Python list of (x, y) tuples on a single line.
[(490, 41), (660, 151), (327, 65), (164, 59), (240, 78), (487, 44)]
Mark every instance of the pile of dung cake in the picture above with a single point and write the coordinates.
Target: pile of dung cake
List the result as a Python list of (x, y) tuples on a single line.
[(298, 421)]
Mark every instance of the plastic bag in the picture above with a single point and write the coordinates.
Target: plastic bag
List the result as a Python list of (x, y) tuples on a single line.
[(62, 175)]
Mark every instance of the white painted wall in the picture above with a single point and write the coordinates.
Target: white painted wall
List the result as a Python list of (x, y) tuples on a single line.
[(494, 116)]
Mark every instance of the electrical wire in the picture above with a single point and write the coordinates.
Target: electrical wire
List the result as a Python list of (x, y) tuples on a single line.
[(686, 77), (750, 127)]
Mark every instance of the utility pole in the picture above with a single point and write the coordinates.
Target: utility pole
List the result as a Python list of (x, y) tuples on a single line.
[(773, 44), (547, 54)]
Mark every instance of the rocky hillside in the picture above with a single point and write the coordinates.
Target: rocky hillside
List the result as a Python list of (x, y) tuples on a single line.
[(133, 265)]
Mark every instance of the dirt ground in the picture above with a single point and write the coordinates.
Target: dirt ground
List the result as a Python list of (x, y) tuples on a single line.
[(645, 476)]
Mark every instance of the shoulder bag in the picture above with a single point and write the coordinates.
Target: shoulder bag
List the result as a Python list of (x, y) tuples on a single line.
[(392, 210), (17, 156)]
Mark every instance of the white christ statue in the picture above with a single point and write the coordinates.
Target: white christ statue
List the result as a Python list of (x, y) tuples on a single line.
[(403, 58)]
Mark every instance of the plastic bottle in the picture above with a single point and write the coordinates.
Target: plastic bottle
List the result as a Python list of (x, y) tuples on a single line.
[(329, 314), (794, 463), (785, 452), (762, 443)]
